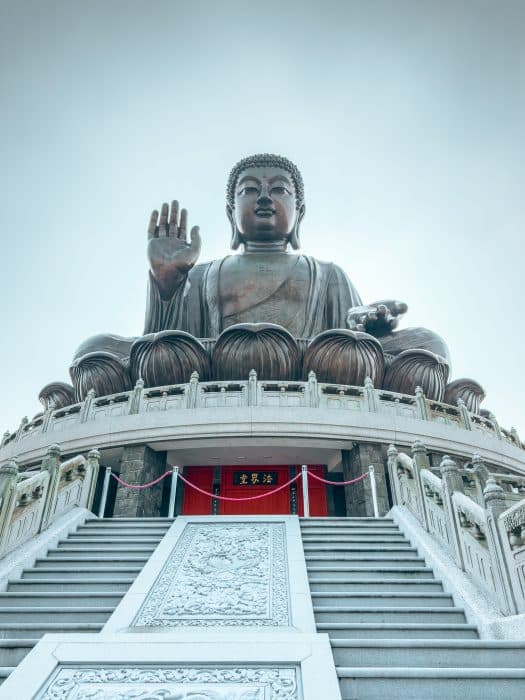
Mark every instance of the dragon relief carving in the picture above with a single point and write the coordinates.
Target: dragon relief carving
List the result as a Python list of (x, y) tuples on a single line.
[(222, 574), (183, 683)]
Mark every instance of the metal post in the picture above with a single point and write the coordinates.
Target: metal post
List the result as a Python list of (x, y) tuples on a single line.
[(173, 492), (374, 491), (104, 496), (306, 500)]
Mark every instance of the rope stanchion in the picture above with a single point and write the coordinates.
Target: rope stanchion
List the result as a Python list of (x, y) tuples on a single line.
[(247, 498), (140, 486), (339, 483)]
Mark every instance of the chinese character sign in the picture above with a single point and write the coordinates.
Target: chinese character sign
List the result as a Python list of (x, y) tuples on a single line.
[(257, 477)]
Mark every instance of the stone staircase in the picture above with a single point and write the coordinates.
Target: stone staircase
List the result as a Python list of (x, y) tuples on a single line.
[(394, 632), (77, 585)]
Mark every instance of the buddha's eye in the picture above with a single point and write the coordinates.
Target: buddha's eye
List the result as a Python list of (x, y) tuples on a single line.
[(279, 189), (249, 189)]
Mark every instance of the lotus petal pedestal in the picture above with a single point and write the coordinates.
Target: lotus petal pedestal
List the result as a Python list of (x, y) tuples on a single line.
[(413, 368), (169, 357), (342, 356), (469, 391), (265, 347), (103, 372)]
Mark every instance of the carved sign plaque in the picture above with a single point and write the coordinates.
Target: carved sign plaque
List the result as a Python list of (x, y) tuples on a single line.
[(183, 683), (222, 574)]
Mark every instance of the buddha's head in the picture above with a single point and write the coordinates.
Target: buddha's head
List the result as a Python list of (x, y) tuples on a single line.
[(265, 201)]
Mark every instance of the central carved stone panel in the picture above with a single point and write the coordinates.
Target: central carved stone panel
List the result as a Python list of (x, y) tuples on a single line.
[(183, 683), (222, 574)]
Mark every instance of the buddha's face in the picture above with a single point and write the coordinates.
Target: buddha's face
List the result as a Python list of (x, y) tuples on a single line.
[(265, 205)]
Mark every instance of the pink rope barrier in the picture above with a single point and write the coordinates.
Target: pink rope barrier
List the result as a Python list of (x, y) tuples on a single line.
[(338, 483), (247, 498), (140, 486)]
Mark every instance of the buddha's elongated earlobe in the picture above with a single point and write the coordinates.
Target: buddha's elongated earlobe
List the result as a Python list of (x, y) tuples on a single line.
[(294, 239), (236, 236)]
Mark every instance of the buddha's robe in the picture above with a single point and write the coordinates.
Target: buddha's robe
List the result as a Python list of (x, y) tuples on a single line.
[(302, 294)]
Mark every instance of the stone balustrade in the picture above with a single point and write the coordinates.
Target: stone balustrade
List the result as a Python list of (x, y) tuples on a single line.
[(486, 540), (31, 501), (253, 392)]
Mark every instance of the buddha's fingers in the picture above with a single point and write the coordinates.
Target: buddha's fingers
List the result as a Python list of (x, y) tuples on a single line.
[(174, 219), (183, 227), (152, 228), (163, 229), (196, 241), (400, 307)]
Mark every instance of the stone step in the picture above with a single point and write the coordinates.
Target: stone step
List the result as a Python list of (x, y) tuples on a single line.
[(383, 572), (102, 560), (5, 672), (22, 630), (71, 573), (42, 614), (363, 522), (398, 631), (59, 600), (82, 539), (409, 558), (12, 651), (96, 530), (349, 547), (440, 654), (382, 600), (132, 521), (370, 585), (40, 585), (348, 613), (351, 530), (357, 539), (65, 548), (431, 683)]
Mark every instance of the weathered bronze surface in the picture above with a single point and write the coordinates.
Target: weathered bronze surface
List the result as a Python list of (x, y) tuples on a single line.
[(56, 395), (264, 284), (469, 391), (270, 350)]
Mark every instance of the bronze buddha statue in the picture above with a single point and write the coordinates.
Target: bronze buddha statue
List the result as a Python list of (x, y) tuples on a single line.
[(267, 308)]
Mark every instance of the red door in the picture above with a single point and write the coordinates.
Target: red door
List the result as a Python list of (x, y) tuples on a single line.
[(242, 482), (316, 492), (193, 502)]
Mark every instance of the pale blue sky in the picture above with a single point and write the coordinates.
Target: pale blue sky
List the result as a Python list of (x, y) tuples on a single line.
[(406, 119)]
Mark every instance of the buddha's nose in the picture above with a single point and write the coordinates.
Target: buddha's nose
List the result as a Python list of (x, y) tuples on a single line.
[(264, 197)]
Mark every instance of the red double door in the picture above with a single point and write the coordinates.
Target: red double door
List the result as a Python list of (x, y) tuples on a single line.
[(248, 481)]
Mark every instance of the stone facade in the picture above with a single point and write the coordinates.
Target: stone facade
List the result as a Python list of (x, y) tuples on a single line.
[(139, 465)]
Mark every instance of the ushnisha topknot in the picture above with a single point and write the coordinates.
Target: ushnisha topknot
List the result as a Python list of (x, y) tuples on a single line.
[(262, 160)]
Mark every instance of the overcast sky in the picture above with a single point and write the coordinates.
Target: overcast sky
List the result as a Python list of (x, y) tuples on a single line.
[(406, 119)]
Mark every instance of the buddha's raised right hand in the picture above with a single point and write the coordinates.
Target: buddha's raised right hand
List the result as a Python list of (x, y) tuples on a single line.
[(170, 254)]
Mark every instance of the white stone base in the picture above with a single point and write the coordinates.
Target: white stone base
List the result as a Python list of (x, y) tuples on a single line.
[(282, 667)]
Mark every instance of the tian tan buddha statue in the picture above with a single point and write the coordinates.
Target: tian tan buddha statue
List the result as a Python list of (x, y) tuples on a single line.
[(267, 308)]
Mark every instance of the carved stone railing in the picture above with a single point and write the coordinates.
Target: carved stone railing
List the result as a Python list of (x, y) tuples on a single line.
[(253, 392), (486, 540), (31, 501)]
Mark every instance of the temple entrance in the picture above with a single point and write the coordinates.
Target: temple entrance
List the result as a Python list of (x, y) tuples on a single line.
[(247, 481)]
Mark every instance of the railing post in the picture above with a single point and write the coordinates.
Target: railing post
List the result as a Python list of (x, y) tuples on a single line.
[(93, 460), (306, 499), (85, 411), (135, 402), (465, 415), (313, 390), (8, 480), (173, 491), (252, 388), (370, 396), (51, 464), (452, 482), (193, 388), (104, 494), (20, 431), (421, 404), (373, 489)]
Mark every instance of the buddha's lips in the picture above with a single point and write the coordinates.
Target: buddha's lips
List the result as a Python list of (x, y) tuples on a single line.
[(266, 213)]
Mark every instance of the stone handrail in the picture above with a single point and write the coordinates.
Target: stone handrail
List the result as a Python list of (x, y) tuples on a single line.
[(253, 392), (486, 541), (30, 502)]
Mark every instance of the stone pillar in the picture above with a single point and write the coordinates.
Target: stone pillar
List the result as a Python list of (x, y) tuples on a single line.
[(140, 464), (359, 496)]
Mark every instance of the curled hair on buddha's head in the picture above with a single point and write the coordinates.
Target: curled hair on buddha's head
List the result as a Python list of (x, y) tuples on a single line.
[(261, 160)]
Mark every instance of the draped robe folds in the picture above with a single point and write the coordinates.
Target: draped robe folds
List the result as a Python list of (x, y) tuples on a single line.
[(195, 306)]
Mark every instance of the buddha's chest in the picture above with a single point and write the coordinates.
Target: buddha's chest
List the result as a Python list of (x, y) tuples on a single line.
[(272, 288)]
